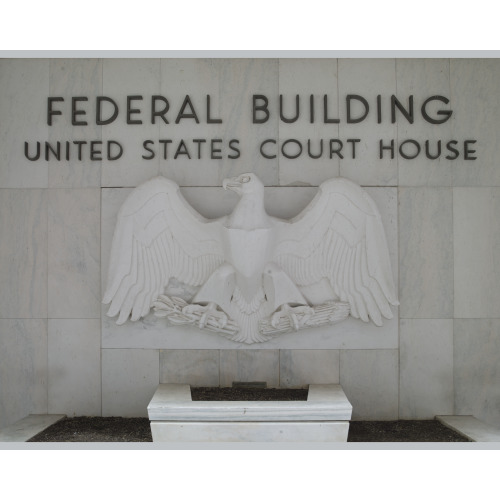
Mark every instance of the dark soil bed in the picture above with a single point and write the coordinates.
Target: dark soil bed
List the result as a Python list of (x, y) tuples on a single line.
[(402, 431), (96, 429), (247, 394), (117, 429)]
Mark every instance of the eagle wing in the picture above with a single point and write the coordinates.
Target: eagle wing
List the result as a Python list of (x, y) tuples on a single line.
[(158, 236), (340, 237)]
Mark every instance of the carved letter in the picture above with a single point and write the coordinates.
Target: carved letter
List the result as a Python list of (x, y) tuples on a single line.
[(262, 107), (442, 112), (187, 102), (363, 101), (112, 118), (50, 111)]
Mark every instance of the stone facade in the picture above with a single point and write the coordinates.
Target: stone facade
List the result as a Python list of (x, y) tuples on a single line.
[(60, 353)]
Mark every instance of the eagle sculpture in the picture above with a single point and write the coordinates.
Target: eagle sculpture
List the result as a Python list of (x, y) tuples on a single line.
[(253, 276)]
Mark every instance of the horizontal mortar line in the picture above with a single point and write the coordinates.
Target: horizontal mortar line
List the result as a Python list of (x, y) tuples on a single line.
[(1, 318), (24, 188), (261, 348), (80, 188), (266, 186), (484, 317), (139, 349), (405, 317), (74, 318), (21, 317), (246, 422), (102, 318), (404, 186), (215, 186)]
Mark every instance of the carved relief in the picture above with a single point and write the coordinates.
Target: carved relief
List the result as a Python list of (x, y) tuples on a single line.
[(251, 276)]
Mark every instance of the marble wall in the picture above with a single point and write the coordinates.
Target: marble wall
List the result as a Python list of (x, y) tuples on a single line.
[(60, 353)]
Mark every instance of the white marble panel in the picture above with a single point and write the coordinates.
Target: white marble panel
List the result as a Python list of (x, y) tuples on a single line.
[(386, 200), (75, 78), (212, 202), (426, 368), (240, 79), (23, 368), (230, 83), (74, 253), (196, 78), (477, 259), (474, 95), (196, 367), (129, 380), (24, 88), (476, 369), (368, 78), (111, 201), (426, 252), (122, 78), (370, 379), (23, 253), (74, 358), (299, 368), (423, 78), (306, 77), (249, 366)]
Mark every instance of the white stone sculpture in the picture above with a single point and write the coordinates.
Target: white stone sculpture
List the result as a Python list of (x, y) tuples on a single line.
[(252, 276)]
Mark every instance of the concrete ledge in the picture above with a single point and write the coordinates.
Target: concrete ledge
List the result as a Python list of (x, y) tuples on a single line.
[(324, 417), (26, 428), (470, 427), (173, 402)]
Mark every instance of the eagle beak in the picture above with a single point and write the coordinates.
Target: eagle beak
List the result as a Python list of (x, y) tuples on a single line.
[(231, 183)]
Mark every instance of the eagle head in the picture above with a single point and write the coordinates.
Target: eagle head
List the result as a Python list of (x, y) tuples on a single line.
[(249, 212), (243, 184)]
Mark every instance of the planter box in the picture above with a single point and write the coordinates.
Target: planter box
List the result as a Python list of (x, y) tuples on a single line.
[(324, 417)]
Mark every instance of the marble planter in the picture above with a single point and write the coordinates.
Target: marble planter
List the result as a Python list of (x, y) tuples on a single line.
[(324, 417)]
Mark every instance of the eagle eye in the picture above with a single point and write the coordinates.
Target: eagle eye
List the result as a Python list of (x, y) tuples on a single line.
[(245, 178)]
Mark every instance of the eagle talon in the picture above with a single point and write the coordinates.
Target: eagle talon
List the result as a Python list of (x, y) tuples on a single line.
[(297, 315), (206, 314)]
